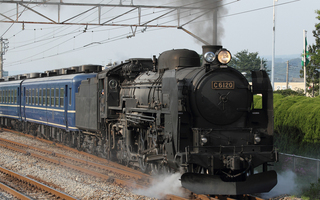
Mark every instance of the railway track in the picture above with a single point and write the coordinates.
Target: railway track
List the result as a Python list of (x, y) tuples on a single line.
[(129, 177), (71, 166), (61, 157), (132, 178), (28, 185), (13, 192)]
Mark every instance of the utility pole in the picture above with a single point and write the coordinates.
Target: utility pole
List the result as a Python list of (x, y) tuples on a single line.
[(261, 65), (304, 63), (287, 78), (273, 44), (3, 49), (215, 27)]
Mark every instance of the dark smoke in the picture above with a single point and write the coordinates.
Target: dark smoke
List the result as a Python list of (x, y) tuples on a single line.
[(206, 27), (203, 27)]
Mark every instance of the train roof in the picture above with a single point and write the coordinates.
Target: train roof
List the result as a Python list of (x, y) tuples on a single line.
[(69, 77), (10, 83), (63, 74), (60, 78)]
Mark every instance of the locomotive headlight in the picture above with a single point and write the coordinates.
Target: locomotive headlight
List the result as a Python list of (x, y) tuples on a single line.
[(204, 139), (209, 57), (257, 139), (224, 56)]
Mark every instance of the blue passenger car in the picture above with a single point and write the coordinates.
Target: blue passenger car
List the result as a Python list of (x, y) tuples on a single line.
[(50, 101), (44, 104), (10, 101)]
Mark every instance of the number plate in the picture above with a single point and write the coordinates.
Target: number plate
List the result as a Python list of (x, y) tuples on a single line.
[(222, 85)]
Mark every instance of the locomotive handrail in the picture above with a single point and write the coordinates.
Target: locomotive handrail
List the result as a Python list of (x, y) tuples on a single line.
[(115, 108), (230, 129), (148, 120), (145, 116), (132, 121), (219, 149), (143, 106), (139, 83)]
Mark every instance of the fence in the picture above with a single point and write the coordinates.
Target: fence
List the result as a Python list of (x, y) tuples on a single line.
[(304, 168)]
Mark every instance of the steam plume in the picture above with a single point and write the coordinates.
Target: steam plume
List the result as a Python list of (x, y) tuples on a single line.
[(208, 26), (286, 185), (162, 185)]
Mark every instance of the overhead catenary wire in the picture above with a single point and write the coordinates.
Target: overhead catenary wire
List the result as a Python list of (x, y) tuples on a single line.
[(64, 27), (55, 38), (116, 38), (107, 40), (131, 18), (262, 8), (50, 38), (13, 23), (101, 42), (121, 37)]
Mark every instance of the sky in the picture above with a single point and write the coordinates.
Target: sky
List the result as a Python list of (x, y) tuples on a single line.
[(243, 25)]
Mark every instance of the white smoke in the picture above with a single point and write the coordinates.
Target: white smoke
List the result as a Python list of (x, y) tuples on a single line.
[(286, 185), (163, 185)]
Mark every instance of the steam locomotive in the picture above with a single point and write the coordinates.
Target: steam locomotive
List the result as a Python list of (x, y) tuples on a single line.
[(170, 113)]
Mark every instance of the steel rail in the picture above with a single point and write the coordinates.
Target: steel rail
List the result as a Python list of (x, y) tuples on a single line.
[(130, 184), (173, 197), (102, 160), (239, 197), (14, 192), (126, 183), (36, 184), (86, 162), (74, 167)]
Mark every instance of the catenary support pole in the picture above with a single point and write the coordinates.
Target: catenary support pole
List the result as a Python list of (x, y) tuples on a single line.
[(287, 74), (304, 62), (1, 57), (273, 44)]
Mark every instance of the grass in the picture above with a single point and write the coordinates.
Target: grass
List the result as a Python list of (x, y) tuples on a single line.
[(297, 130), (313, 192)]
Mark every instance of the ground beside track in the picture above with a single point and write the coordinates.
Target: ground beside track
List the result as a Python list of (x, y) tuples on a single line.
[(77, 184)]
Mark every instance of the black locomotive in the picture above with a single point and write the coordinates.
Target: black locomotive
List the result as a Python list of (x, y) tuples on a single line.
[(170, 113)]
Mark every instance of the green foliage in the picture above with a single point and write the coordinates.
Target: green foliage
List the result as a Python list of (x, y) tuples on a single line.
[(245, 62), (257, 101), (313, 192), (201, 59), (312, 69), (297, 124), (289, 92)]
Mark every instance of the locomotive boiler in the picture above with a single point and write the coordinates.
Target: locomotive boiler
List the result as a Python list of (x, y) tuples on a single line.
[(174, 113)]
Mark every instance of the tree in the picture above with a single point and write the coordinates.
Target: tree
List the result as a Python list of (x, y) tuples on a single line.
[(313, 67), (245, 62)]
